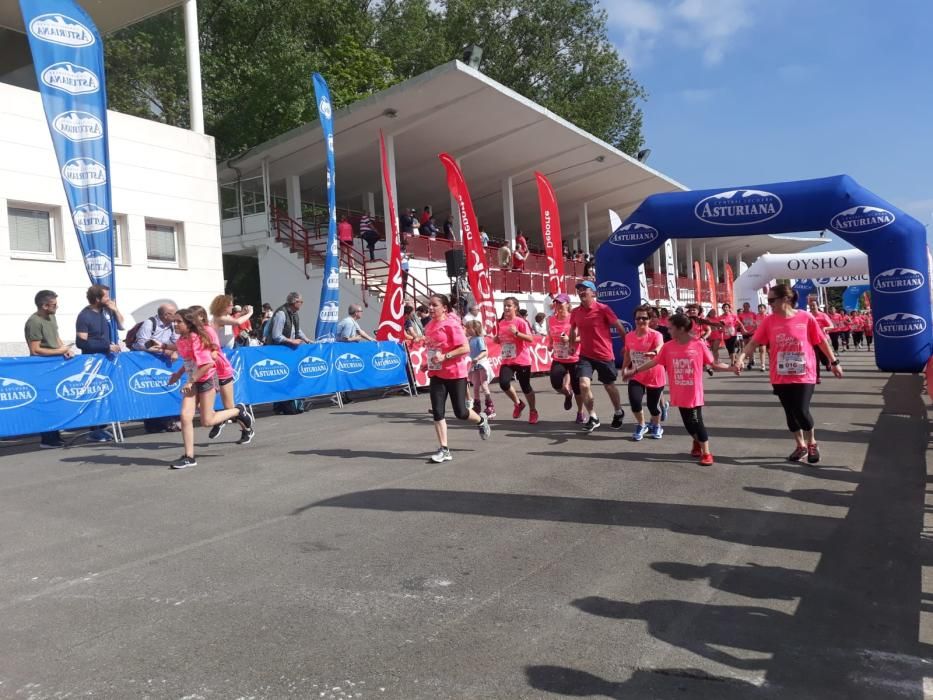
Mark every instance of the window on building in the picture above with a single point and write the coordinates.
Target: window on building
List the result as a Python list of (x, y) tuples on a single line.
[(31, 231), (120, 250), (162, 243)]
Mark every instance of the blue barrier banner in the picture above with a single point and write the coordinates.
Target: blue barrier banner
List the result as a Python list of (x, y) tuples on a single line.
[(69, 59), (329, 311), (48, 393)]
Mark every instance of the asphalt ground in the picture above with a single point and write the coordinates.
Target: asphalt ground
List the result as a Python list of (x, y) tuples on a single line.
[(330, 559)]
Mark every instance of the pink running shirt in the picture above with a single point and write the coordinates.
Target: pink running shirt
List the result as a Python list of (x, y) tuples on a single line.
[(730, 321), (749, 319), (514, 351), (790, 342), (637, 346), (593, 326), (194, 355), (560, 347), (221, 363), (446, 336), (684, 365)]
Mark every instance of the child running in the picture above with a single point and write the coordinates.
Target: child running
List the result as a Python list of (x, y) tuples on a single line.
[(515, 340), (480, 369), (195, 347), (684, 358)]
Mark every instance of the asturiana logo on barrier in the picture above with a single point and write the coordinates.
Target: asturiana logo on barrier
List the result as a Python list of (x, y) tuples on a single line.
[(611, 290), (330, 312), (861, 219), (900, 325), (78, 126), (84, 172), (633, 234), (98, 264), (151, 382), (15, 394), (348, 363), (60, 29), (897, 280), (385, 361), (313, 367), (269, 371), (84, 387), (738, 207), (90, 218), (71, 78)]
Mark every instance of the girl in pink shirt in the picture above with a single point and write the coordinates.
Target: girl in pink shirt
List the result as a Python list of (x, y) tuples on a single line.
[(515, 339), (791, 335), (684, 358), (564, 357), (223, 304), (196, 348), (641, 345), (448, 357)]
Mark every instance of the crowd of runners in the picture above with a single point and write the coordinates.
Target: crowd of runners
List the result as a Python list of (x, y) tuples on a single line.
[(664, 353)]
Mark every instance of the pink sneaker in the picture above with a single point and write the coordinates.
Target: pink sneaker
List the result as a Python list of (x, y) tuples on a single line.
[(533, 417), (517, 411), (490, 411)]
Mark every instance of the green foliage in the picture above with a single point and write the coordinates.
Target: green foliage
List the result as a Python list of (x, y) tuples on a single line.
[(257, 57)]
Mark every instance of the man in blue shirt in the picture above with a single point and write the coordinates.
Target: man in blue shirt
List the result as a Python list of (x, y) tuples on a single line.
[(348, 330), (93, 334)]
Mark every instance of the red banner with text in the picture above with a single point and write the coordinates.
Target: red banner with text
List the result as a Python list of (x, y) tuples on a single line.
[(391, 320), (730, 287), (550, 232), (711, 283)]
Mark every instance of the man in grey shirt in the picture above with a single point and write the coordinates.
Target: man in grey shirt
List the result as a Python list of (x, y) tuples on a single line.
[(348, 330)]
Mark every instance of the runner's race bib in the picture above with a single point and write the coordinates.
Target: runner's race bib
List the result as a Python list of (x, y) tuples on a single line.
[(562, 349), (791, 364), (508, 351), (638, 358)]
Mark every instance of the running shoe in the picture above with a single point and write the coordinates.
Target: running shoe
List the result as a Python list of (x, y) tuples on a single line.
[(696, 451), (581, 419), (813, 453), (51, 445), (484, 429), (568, 401), (617, 418), (216, 431), (591, 424), (517, 410), (246, 420), (442, 455), (533, 417), (640, 431), (655, 432), (100, 436), (706, 460), (665, 409), (246, 437), (490, 411), (762, 368), (797, 455), (184, 462)]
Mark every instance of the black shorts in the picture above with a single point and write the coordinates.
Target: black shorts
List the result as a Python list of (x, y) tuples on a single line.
[(605, 370), (224, 382), (206, 385)]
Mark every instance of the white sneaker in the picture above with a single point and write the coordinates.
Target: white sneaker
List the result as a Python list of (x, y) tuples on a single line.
[(484, 427), (442, 455)]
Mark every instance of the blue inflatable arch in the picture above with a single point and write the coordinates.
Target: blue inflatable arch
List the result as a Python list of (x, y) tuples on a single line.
[(894, 242)]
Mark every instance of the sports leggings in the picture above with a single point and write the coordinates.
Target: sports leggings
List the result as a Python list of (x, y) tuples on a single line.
[(795, 398), (440, 389), (693, 422), (730, 345), (520, 372), (834, 338), (636, 394), (857, 337), (558, 371)]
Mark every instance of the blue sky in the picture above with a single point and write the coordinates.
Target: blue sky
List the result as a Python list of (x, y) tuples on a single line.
[(745, 92)]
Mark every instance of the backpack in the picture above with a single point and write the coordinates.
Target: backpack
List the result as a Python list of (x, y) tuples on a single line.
[(130, 339)]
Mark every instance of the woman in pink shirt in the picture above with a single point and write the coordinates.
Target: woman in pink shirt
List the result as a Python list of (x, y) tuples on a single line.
[(791, 335), (857, 328), (195, 347), (731, 327), (515, 339), (683, 358), (564, 356), (825, 324), (448, 356), (641, 345)]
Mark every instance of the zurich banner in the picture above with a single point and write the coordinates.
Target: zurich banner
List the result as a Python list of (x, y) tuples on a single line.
[(69, 59), (329, 311), (38, 394)]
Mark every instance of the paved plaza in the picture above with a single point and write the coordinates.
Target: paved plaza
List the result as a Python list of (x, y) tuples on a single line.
[(330, 559)]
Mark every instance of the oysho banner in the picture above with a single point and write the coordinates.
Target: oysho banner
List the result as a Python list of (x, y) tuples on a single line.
[(328, 313), (69, 59), (48, 393)]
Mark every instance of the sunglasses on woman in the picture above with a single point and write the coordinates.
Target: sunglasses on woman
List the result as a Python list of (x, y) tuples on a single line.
[(642, 318)]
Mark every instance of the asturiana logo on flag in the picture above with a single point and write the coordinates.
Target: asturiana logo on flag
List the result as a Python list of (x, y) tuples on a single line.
[(313, 367), (633, 234), (15, 394), (861, 219), (98, 264), (385, 361), (349, 363), (90, 218), (60, 29), (738, 207), (269, 371), (324, 106), (330, 312), (84, 172), (84, 387), (900, 325), (78, 126), (897, 280), (71, 78), (151, 382), (333, 279), (611, 290)]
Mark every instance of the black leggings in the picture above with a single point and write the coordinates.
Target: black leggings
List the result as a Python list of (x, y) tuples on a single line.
[(857, 338), (868, 339), (520, 372), (636, 394), (834, 339), (693, 422), (730, 346), (456, 389), (558, 371), (795, 398), (844, 337)]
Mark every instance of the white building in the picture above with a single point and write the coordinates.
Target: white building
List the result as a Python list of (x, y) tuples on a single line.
[(164, 186)]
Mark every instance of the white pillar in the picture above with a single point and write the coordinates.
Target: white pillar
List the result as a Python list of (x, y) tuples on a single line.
[(738, 263), (508, 213), (585, 227), (266, 193), (676, 258), (716, 265), (369, 203), (690, 259), (656, 262), (703, 261), (293, 197), (390, 161), (193, 54)]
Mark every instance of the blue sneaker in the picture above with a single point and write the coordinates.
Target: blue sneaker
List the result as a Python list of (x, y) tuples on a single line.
[(655, 432), (665, 407), (100, 436), (639, 433)]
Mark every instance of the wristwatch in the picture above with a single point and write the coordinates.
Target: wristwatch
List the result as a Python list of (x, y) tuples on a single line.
[(834, 363)]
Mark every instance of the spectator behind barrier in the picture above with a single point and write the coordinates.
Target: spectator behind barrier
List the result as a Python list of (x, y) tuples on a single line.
[(43, 340)]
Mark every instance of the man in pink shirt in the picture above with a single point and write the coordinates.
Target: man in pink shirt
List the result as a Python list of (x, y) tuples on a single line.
[(590, 324)]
